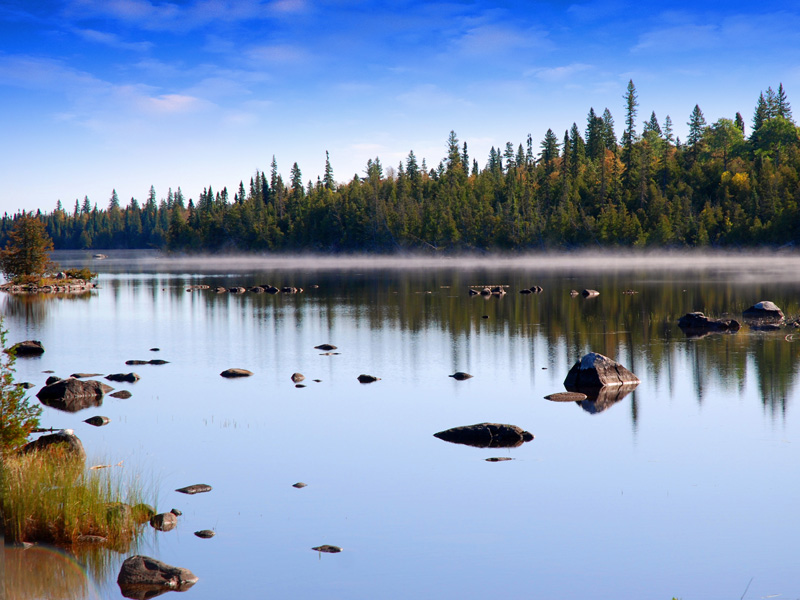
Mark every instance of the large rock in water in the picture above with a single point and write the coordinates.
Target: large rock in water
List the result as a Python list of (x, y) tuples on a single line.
[(72, 395), (145, 577), (233, 373), (595, 371), (27, 348), (486, 435), (763, 311), (697, 323), (65, 441)]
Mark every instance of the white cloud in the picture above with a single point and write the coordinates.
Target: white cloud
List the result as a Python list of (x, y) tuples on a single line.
[(112, 40), (684, 38), (561, 73)]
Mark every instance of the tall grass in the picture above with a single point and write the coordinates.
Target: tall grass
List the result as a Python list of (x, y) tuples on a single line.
[(50, 497)]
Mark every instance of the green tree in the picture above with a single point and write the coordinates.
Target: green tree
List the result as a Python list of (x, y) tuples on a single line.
[(697, 127), (629, 136), (27, 252), (17, 417)]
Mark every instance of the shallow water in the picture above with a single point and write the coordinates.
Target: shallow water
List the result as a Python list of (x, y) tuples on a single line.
[(685, 487)]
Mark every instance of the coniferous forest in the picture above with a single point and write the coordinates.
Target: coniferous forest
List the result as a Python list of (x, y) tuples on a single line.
[(729, 184)]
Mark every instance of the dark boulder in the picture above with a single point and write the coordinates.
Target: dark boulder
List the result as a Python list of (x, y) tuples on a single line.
[(137, 362), (526, 291), (595, 371), (52, 379), (65, 441), (125, 377), (486, 435), (472, 292), (72, 395), (764, 311), (97, 421), (271, 289), (27, 348), (326, 347), (145, 577), (367, 378), (230, 373), (157, 361), (697, 323)]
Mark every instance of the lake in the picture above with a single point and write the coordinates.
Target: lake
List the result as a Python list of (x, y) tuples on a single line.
[(685, 487)]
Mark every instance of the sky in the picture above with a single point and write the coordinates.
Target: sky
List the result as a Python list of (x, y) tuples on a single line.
[(103, 95)]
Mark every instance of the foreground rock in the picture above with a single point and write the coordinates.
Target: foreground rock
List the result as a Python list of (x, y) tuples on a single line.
[(231, 373), (486, 435), (697, 323), (72, 395), (27, 348), (595, 371), (197, 488), (764, 311), (63, 441), (145, 577)]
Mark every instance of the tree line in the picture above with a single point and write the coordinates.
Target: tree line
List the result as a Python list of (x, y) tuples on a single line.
[(726, 185)]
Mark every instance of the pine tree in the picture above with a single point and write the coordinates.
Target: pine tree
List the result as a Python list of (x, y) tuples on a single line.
[(760, 115), (609, 135), (629, 136), (783, 109), (329, 183), (27, 252), (697, 127), (739, 121)]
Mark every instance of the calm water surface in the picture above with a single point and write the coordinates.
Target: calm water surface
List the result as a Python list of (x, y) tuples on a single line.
[(686, 487)]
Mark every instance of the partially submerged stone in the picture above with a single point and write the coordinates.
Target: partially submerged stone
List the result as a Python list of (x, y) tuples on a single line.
[(696, 323), (123, 377), (327, 548), (145, 577), (197, 488), (486, 435), (763, 311), (72, 395), (205, 533), (326, 347), (164, 521), (499, 459), (124, 394), (460, 376), (299, 485), (297, 377), (97, 421), (27, 348), (63, 441), (231, 373), (595, 371), (367, 378), (85, 375), (566, 397)]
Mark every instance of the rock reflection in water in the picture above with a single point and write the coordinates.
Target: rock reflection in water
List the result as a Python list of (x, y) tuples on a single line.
[(604, 398), (486, 435), (44, 572)]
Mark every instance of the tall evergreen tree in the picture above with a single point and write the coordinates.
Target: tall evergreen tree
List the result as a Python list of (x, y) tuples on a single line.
[(629, 136), (697, 127)]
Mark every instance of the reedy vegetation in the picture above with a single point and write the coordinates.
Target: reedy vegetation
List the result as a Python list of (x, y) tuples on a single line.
[(720, 187)]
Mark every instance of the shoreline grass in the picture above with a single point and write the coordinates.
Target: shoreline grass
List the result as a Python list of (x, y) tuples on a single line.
[(53, 498)]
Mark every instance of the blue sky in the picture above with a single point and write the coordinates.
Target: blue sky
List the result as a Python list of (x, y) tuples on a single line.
[(98, 95)]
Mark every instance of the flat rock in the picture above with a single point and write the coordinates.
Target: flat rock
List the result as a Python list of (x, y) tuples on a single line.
[(155, 349), (157, 361), (85, 375), (145, 577), (566, 397), (125, 377), (230, 373), (498, 459), (327, 548), (72, 395), (124, 394), (97, 421), (299, 485), (136, 362), (460, 376), (595, 371), (197, 488), (205, 533), (27, 348), (326, 347), (486, 435), (367, 378)]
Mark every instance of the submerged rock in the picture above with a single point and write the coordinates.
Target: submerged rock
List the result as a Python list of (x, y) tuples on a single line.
[(299, 485), (145, 577), (85, 375), (197, 488), (486, 435), (595, 371), (696, 323), (229, 373), (326, 347), (97, 421), (367, 378), (566, 397), (498, 459), (205, 533), (124, 394), (72, 395)]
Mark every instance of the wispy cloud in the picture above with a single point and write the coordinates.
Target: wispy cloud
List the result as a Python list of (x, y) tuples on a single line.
[(682, 38), (562, 73), (112, 40)]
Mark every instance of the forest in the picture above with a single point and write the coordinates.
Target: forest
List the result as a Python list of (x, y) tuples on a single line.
[(727, 185)]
